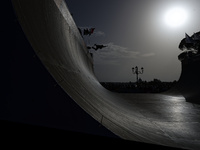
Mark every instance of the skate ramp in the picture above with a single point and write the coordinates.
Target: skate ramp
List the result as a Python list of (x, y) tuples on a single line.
[(164, 119)]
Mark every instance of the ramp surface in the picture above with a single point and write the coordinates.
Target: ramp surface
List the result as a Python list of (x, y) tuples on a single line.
[(165, 119)]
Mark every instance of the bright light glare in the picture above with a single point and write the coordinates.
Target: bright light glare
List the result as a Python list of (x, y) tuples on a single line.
[(175, 17)]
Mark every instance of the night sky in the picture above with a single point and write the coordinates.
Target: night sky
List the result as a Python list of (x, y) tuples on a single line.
[(143, 33)]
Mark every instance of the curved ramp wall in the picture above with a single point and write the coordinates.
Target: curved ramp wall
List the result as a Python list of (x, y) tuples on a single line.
[(57, 42), (151, 118)]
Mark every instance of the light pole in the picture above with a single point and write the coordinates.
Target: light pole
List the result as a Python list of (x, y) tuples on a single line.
[(137, 72)]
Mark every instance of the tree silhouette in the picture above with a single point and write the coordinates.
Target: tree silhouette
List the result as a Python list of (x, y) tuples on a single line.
[(190, 46)]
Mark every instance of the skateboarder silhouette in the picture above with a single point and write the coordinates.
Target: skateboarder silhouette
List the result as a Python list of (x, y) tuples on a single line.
[(96, 47)]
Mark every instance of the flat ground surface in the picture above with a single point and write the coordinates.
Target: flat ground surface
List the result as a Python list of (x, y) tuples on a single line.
[(170, 116)]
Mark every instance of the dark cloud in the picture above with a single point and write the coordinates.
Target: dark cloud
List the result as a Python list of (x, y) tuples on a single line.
[(114, 53)]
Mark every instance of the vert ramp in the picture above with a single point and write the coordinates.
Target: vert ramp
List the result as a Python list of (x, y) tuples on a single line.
[(165, 119)]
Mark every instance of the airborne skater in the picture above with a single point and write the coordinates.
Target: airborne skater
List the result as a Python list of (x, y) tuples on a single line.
[(96, 47), (88, 31)]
